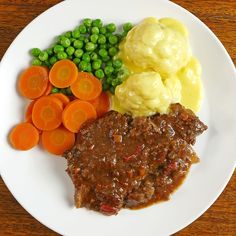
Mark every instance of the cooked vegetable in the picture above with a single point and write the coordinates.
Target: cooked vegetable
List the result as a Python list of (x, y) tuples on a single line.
[(86, 87), (159, 45), (57, 141), (48, 89), (101, 104), (144, 94), (88, 42), (24, 136), (76, 113), (47, 113), (33, 82), (28, 112), (62, 97), (63, 74)]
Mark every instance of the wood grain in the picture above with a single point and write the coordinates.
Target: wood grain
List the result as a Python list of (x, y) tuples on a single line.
[(220, 16)]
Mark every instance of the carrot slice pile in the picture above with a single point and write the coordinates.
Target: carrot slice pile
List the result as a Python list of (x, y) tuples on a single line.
[(62, 97), (101, 104), (76, 113), (48, 89), (33, 82), (63, 73), (86, 87), (47, 113), (58, 141), (28, 113), (24, 136)]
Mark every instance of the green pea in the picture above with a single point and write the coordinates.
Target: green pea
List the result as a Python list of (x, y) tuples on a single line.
[(49, 51), (109, 79), (83, 65), (47, 64), (127, 26), (58, 38), (117, 63), (86, 57), (108, 70), (36, 62), (123, 35), (82, 29), (43, 56), (58, 48), (102, 52), (76, 33), (89, 67), (97, 23), (61, 55), (108, 34), (35, 52), (53, 60), (123, 74), (96, 64), (76, 60), (103, 30), (89, 47), (86, 40), (99, 74), (94, 38), (78, 53), (111, 27), (65, 42), (78, 44), (112, 51), (87, 22), (95, 30), (70, 51), (68, 34), (101, 39), (55, 90), (94, 56), (113, 39), (119, 37), (115, 82)]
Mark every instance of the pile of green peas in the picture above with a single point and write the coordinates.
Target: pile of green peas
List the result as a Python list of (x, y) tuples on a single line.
[(93, 47)]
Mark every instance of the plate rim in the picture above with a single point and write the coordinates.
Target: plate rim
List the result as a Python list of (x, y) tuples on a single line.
[(219, 43)]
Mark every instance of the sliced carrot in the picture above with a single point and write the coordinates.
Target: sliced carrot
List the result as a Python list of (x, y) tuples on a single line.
[(63, 73), (33, 82), (58, 141), (62, 97), (24, 136), (101, 104), (47, 113), (86, 87), (28, 112), (48, 90), (76, 113)]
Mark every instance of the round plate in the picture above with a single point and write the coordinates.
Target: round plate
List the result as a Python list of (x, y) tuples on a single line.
[(39, 181)]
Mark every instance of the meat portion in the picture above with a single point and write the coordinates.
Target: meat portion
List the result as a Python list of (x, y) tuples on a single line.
[(119, 161)]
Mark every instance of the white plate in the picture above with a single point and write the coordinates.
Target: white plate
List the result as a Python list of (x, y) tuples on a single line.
[(38, 181)]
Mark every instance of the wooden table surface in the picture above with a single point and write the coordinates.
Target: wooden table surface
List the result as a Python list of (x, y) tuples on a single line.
[(220, 16)]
